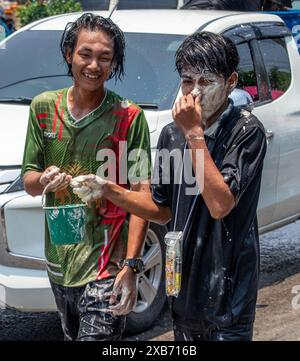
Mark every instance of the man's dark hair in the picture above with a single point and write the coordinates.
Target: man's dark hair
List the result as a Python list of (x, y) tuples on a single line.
[(92, 22), (210, 51)]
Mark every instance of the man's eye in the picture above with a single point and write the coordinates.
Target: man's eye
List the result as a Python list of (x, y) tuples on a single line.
[(84, 55), (186, 81), (105, 60), (205, 82)]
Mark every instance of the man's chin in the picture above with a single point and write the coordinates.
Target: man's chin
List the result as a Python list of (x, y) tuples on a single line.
[(92, 87)]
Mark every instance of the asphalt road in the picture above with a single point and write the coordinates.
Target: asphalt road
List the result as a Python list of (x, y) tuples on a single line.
[(277, 316)]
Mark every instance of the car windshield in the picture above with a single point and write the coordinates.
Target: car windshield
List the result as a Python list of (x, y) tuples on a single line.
[(31, 63)]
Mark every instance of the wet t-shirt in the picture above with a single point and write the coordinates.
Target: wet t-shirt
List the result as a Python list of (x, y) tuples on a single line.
[(220, 257), (54, 138)]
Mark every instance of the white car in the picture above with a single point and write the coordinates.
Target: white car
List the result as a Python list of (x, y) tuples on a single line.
[(31, 63)]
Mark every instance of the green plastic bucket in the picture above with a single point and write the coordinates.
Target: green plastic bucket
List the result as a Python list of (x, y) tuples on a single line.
[(66, 223)]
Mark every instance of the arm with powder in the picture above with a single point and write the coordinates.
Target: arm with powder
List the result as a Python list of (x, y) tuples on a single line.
[(92, 187), (216, 193)]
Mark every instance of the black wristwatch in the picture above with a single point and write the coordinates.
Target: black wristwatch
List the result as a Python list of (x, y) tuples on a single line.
[(136, 264)]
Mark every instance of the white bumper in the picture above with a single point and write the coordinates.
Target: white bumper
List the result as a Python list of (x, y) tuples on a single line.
[(24, 283), (25, 290)]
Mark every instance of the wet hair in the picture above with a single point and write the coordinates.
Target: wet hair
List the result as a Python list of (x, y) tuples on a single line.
[(92, 22), (210, 51)]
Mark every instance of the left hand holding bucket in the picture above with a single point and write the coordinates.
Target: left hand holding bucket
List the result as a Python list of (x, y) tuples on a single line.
[(53, 180)]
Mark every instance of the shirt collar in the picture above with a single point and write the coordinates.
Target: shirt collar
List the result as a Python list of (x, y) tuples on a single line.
[(213, 130)]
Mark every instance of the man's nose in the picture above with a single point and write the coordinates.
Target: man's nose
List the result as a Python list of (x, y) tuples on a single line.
[(94, 64), (197, 91)]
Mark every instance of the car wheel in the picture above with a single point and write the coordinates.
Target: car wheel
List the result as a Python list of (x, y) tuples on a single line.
[(151, 282)]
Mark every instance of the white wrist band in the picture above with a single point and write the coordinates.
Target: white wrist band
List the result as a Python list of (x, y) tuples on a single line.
[(196, 138)]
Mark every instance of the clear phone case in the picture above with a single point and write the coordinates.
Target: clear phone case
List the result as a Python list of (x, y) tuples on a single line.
[(173, 241)]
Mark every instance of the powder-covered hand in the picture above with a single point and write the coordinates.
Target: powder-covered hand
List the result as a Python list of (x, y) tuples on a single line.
[(88, 187), (126, 288), (53, 180)]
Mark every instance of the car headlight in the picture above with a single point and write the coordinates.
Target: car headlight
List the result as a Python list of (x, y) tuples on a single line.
[(10, 180), (16, 186)]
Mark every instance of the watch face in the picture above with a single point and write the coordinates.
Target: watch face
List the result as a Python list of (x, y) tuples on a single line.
[(136, 264), (139, 265), (122, 263)]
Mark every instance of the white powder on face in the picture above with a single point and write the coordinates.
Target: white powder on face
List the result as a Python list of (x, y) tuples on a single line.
[(213, 98), (196, 92), (210, 87)]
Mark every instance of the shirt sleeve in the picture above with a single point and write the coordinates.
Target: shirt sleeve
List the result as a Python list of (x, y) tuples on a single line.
[(138, 150), (33, 158), (160, 190), (244, 160)]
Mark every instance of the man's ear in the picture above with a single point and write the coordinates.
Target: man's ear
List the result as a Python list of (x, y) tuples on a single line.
[(232, 81), (69, 56)]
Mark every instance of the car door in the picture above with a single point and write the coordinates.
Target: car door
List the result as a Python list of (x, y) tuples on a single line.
[(253, 80), (282, 64), (275, 60)]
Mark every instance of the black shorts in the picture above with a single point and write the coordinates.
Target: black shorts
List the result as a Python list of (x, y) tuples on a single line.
[(80, 312)]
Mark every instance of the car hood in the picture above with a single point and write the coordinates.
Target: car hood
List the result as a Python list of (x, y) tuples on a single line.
[(14, 120), (152, 119)]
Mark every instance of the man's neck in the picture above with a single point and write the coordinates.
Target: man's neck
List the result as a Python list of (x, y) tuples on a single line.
[(216, 115), (82, 102)]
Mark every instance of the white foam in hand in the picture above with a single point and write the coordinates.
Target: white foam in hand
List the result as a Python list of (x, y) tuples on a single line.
[(88, 187)]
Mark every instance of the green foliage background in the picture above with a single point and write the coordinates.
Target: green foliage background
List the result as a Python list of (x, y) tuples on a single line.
[(37, 9)]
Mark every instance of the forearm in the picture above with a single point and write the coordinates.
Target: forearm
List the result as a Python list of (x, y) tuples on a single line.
[(136, 235), (32, 183), (137, 203), (216, 193)]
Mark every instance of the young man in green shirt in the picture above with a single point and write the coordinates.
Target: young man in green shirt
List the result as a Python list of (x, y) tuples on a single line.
[(67, 131)]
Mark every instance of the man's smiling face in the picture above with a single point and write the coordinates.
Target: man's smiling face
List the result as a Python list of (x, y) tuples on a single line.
[(92, 59)]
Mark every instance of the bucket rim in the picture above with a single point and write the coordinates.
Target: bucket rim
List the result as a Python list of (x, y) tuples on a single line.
[(66, 206)]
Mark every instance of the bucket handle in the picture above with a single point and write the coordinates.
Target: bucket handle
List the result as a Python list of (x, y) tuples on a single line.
[(45, 191)]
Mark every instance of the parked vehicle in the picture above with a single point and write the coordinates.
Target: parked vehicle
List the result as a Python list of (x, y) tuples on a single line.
[(292, 21), (129, 4), (269, 72)]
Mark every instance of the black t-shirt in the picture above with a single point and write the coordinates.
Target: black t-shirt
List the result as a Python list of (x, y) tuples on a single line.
[(220, 257)]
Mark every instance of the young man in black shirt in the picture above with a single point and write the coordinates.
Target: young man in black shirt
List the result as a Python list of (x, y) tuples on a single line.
[(220, 242)]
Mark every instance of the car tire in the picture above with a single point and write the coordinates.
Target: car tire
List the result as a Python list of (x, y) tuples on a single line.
[(148, 309)]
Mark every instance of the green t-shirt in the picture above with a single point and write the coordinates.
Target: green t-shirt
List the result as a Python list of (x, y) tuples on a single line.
[(78, 148)]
